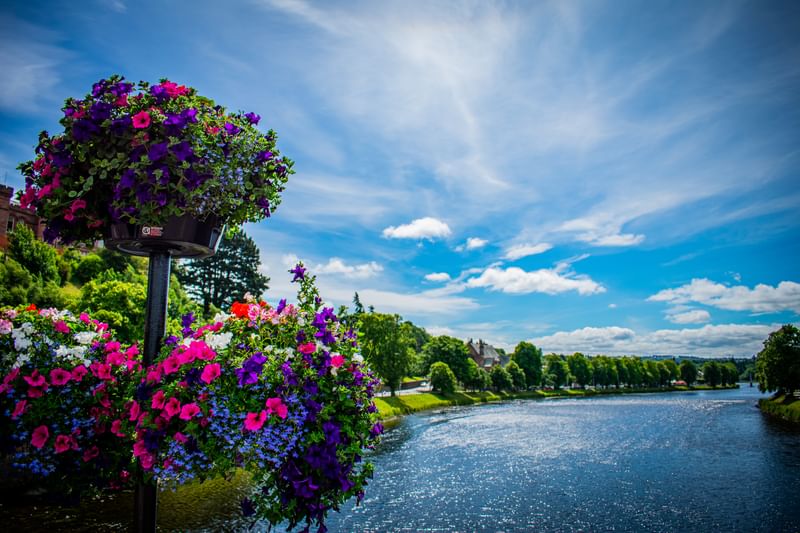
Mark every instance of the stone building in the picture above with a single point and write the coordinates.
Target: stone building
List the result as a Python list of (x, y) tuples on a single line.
[(486, 355), (12, 214)]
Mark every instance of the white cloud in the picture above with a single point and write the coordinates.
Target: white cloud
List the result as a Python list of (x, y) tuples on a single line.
[(695, 316), (519, 251), (739, 340), (623, 239), (760, 299), (418, 304), (438, 276), (421, 228), (473, 243), (549, 281), (612, 306), (337, 266)]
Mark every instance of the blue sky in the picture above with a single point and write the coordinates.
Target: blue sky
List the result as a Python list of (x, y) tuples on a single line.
[(606, 177)]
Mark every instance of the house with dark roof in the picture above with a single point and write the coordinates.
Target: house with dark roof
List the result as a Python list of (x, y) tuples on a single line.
[(486, 355)]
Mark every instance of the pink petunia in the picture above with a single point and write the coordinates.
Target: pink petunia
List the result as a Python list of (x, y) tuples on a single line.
[(307, 348), (116, 428), (19, 409), (35, 379), (337, 360), (61, 326), (85, 318), (210, 373), (189, 411), (78, 372), (277, 407), (171, 365), (115, 358), (134, 411), (172, 408), (254, 421), (59, 376), (154, 374), (141, 120), (158, 400), (40, 436), (101, 370), (180, 437), (90, 453), (62, 443)]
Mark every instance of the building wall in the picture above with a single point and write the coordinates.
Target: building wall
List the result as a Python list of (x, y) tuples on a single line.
[(12, 214)]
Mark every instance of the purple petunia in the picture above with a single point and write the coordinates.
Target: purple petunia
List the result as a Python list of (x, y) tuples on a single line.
[(157, 151), (299, 272), (252, 118), (182, 150), (232, 129)]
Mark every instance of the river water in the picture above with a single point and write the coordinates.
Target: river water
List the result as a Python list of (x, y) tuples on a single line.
[(693, 461)]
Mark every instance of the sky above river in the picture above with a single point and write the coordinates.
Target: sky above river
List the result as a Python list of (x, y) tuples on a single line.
[(605, 177)]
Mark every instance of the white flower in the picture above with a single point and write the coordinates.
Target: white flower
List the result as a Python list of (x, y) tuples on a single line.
[(357, 357), (84, 337), (221, 317), (219, 341)]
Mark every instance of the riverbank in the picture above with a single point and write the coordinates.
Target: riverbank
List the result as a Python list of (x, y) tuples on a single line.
[(784, 407), (394, 406)]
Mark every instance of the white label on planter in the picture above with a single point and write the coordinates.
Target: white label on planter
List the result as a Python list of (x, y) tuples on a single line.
[(152, 231)]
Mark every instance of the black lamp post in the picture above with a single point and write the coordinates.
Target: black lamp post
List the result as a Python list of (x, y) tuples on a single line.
[(184, 237)]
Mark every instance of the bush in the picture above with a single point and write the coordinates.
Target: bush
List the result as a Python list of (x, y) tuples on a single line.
[(88, 268), (442, 378), (501, 379), (517, 375), (15, 282), (36, 257)]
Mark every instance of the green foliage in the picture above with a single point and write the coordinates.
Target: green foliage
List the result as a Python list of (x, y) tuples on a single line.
[(35, 256), (418, 335), (778, 363), (474, 379), (15, 282), (712, 373), (226, 276), (557, 370), (121, 304), (517, 376), (688, 371), (529, 359), (88, 268), (442, 378), (447, 350), (580, 368), (386, 347), (501, 379), (672, 368)]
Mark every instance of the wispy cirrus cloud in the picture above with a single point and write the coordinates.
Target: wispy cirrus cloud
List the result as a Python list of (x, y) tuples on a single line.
[(518, 251)]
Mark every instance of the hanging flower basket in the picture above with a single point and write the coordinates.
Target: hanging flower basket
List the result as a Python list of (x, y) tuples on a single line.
[(184, 236), (145, 155)]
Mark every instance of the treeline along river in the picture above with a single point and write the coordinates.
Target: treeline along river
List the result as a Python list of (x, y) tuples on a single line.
[(693, 461)]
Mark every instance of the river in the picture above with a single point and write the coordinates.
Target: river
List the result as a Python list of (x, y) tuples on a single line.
[(693, 461)]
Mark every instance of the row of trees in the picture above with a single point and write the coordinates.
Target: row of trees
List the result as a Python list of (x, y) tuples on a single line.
[(778, 363)]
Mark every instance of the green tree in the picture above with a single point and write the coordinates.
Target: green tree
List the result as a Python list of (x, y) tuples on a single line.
[(474, 378), (672, 368), (622, 370), (121, 304), (226, 276), (529, 359), (15, 282), (580, 368), (386, 347), (517, 375), (688, 371), (88, 268), (663, 374), (652, 373), (447, 350), (358, 308), (35, 256), (778, 363), (418, 335), (501, 379), (557, 370), (712, 373), (442, 378)]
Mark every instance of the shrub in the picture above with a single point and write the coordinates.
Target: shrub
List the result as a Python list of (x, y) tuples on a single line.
[(442, 378)]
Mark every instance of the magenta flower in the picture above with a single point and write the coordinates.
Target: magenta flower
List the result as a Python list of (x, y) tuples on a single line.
[(59, 376), (277, 407), (171, 364), (210, 373), (189, 411), (254, 421), (135, 411), (90, 453), (141, 119), (172, 408), (61, 326), (307, 348), (158, 400), (337, 360), (62, 443), (116, 428), (78, 372), (19, 409), (40, 436)]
